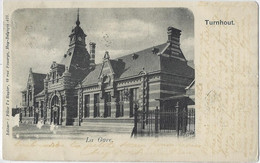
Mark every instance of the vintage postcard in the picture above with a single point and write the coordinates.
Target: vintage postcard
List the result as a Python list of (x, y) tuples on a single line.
[(130, 81)]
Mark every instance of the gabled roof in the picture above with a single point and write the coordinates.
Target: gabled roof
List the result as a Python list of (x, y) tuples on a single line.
[(133, 64), (128, 65), (38, 80), (107, 64), (148, 60)]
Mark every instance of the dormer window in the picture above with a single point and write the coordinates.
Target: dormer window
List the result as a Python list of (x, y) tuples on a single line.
[(134, 56), (155, 50)]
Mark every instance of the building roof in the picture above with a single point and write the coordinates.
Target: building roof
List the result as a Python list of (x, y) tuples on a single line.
[(178, 97), (128, 66), (132, 64), (191, 85), (40, 94), (191, 64), (38, 81), (92, 77), (145, 60)]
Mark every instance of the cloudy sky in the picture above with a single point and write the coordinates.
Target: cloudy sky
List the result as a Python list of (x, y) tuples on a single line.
[(40, 36)]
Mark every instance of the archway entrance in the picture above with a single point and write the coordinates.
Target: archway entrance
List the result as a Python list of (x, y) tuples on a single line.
[(55, 110)]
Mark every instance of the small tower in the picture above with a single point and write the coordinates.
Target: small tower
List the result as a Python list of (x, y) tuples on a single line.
[(77, 58), (77, 36)]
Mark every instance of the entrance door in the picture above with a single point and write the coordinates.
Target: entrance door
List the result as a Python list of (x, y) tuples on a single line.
[(55, 110)]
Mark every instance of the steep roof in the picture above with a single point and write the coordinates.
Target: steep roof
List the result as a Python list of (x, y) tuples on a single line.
[(176, 67), (127, 66), (191, 63), (191, 85), (145, 59), (92, 77), (132, 64), (40, 94), (38, 81)]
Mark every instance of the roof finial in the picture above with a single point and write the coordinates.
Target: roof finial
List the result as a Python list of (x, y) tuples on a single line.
[(78, 22)]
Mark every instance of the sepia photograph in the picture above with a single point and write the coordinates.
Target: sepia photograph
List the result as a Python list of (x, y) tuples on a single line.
[(130, 81), (91, 71)]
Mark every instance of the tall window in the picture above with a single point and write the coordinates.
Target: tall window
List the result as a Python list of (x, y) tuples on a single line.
[(57, 76), (87, 101), (53, 75), (120, 105), (25, 97), (96, 105), (107, 98), (30, 95), (134, 96), (30, 111)]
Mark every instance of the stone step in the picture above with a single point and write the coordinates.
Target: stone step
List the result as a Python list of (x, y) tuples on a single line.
[(109, 120), (107, 126)]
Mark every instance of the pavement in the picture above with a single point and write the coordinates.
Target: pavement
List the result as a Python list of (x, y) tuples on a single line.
[(32, 131)]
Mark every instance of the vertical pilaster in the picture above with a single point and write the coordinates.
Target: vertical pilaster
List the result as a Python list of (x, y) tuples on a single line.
[(49, 115), (60, 114), (45, 107), (113, 107), (80, 106), (83, 107), (102, 107), (65, 110)]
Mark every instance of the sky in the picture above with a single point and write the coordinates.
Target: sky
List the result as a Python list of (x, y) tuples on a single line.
[(40, 36)]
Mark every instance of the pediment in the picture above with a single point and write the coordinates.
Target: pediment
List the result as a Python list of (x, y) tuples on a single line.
[(106, 70), (30, 81)]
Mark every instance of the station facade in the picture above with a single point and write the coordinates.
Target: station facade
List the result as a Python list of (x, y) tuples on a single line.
[(77, 89)]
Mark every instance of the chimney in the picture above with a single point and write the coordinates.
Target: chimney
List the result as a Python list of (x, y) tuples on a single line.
[(174, 36), (92, 47)]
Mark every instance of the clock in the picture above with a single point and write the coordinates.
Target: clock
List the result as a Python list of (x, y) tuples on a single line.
[(79, 38)]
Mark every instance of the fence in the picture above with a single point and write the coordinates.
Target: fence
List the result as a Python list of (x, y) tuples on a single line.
[(164, 123)]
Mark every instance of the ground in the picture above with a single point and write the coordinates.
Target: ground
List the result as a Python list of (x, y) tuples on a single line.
[(31, 131)]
